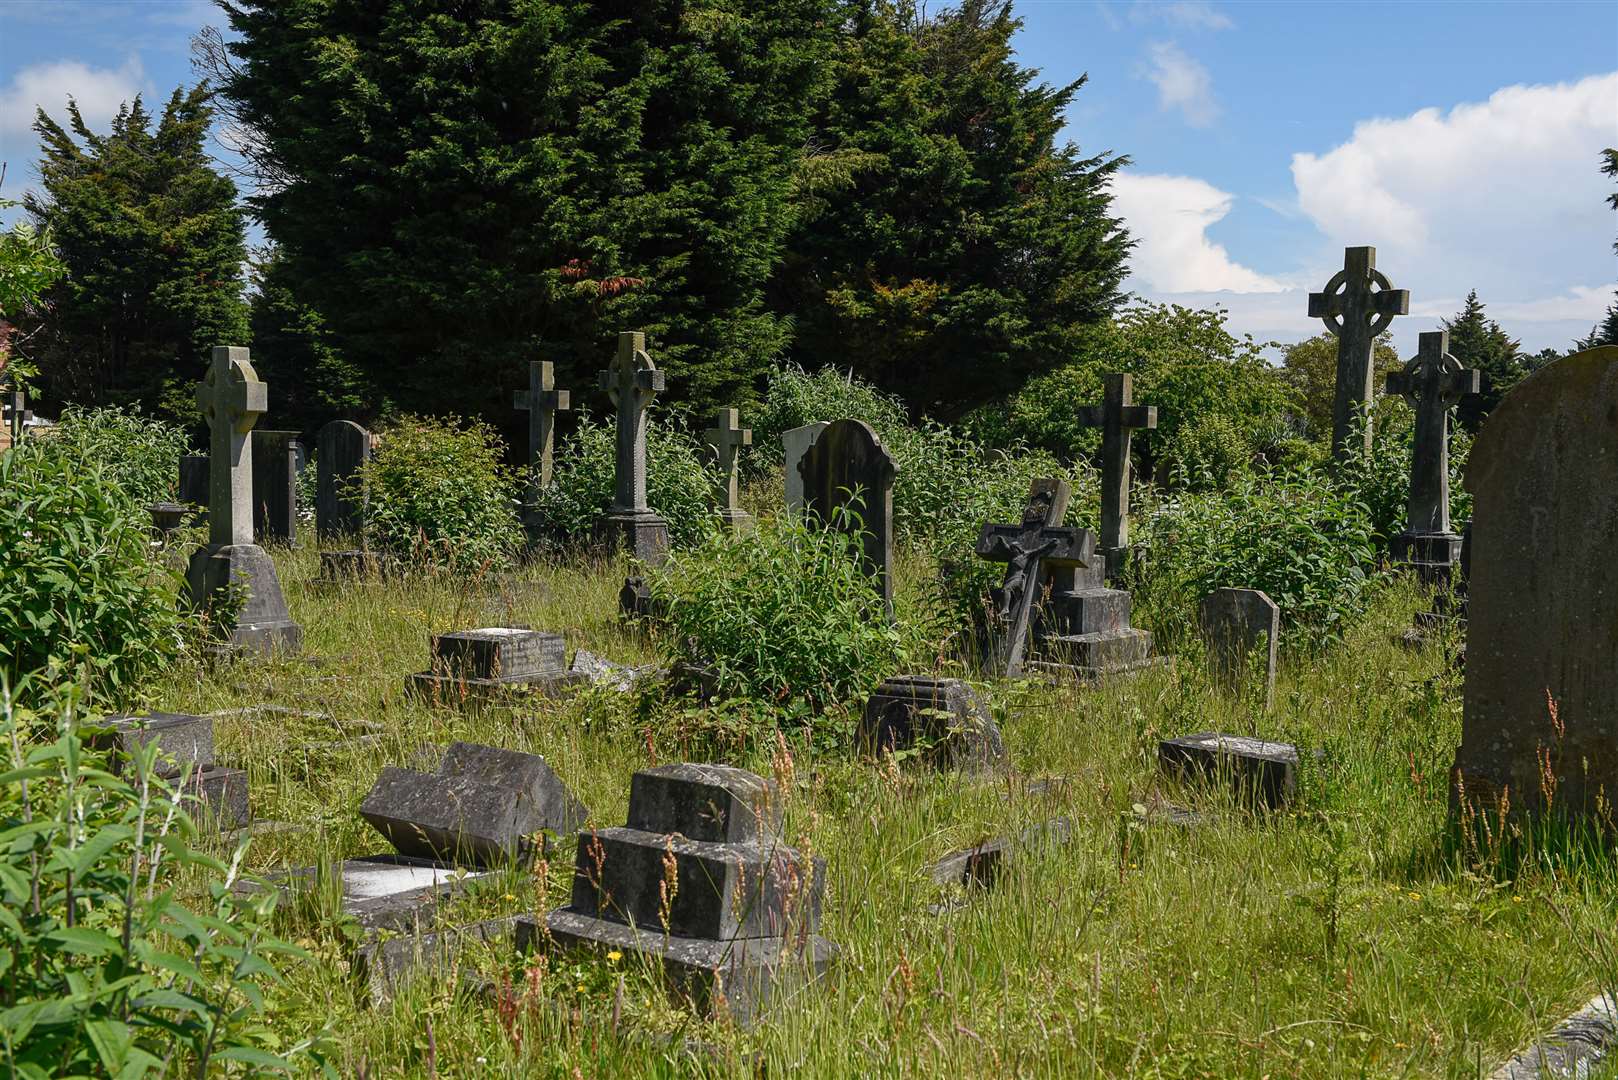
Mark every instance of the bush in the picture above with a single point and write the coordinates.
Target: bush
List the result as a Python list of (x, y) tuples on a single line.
[(796, 398), (679, 482), (79, 583), (1382, 480), (438, 493), (1206, 452), (138, 453)]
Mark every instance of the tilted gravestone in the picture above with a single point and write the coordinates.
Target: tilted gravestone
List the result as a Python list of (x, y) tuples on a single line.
[(342, 447), (275, 486), (1031, 550), (483, 807), (184, 745), (1263, 773), (700, 883), (1433, 381), (1117, 417), (726, 438), (848, 485), (1237, 624), (474, 665), (1539, 726), (944, 719), (1357, 304), (795, 443), (232, 578)]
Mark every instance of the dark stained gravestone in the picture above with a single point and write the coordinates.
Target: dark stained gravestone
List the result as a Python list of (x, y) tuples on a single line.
[(944, 717), (185, 759), (1433, 381), (275, 486), (341, 448), (1028, 549), (470, 665), (1262, 772), (1542, 599), (193, 487), (795, 442), (1357, 304), (848, 484), (1236, 623)]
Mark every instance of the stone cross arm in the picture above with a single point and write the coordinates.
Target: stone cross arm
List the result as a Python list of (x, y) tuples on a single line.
[(1059, 546), (727, 432), (1350, 295), (1129, 416), (1434, 373)]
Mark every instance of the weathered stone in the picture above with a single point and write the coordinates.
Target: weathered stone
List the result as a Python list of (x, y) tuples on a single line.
[(712, 803), (848, 485), (1083, 627), (1117, 417), (1029, 550), (982, 864), (386, 967), (1236, 623), (1542, 629), (482, 807), (381, 892), (604, 672), (262, 623), (477, 665), (167, 517), (1574, 1049), (945, 719), (1432, 382), (541, 401), (726, 438), (215, 795), (1262, 772), (631, 383), (795, 443), (1357, 304), (275, 486), (342, 447), (182, 739), (193, 483)]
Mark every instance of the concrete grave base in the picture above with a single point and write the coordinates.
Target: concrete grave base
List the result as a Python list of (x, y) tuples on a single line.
[(642, 533)]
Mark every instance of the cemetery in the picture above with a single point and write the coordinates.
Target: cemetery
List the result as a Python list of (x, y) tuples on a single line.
[(587, 709)]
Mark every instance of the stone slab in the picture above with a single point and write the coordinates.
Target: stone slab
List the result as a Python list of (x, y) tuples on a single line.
[(982, 864), (795, 443), (496, 652), (1266, 772), (216, 797), (181, 739), (943, 718), (1574, 1050), (709, 803), (1092, 656), (218, 574), (1235, 624), (389, 892), (385, 967)]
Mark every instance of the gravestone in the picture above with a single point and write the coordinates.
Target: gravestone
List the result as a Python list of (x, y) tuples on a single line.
[(541, 401), (383, 892), (1236, 623), (982, 864), (232, 578), (1083, 627), (479, 665), (630, 524), (727, 437), (1117, 417), (1357, 304), (1449, 604), (342, 447), (483, 807), (700, 883), (1261, 772), (1029, 550), (16, 418), (795, 443), (1539, 721), (848, 485), (275, 486), (944, 719), (185, 745), (1432, 381), (193, 489)]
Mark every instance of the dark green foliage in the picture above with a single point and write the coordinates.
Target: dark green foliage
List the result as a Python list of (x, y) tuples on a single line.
[(1479, 342), (293, 352), (152, 240), (138, 453), (1381, 481), (29, 266), (1604, 332), (946, 247), (463, 186), (796, 397), (79, 583), (438, 494)]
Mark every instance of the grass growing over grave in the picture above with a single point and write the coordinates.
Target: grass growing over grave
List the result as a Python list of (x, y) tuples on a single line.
[(1337, 939)]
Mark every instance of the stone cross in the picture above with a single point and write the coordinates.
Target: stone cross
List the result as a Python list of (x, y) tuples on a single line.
[(541, 401), (232, 400), (1432, 381), (17, 414), (727, 437), (1357, 304), (1028, 549), (631, 384), (1116, 418)]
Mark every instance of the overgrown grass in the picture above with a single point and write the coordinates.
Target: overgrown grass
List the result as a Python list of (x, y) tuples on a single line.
[(1335, 939)]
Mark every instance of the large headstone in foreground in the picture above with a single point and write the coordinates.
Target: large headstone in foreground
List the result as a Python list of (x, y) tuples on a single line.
[(848, 485), (341, 448), (1542, 633)]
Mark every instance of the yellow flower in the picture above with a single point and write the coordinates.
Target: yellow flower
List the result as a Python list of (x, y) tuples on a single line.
[(1415, 896), (508, 896), (581, 988), (615, 956), (1516, 899)]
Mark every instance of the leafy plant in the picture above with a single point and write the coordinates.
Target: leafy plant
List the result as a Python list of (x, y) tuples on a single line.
[(796, 397), (1381, 480), (139, 453)]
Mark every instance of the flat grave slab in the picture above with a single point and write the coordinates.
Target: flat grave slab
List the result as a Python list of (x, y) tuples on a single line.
[(1259, 769)]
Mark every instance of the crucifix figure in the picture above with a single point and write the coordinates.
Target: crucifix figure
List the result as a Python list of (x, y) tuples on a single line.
[(727, 437), (1357, 304), (631, 384), (542, 401), (1432, 381), (232, 400), (1117, 418), (1029, 549)]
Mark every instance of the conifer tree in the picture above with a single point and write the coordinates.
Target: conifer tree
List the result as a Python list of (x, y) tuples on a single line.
[(1479, 342)]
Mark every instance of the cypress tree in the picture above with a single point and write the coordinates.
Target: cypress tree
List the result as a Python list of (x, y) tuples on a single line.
[(1479, 342)]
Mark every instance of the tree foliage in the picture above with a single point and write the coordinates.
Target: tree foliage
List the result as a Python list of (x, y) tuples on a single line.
[(1479, 342), (29, 266), (1310, 368)]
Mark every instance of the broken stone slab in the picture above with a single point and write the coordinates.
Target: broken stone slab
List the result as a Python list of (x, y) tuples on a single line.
[(482, 806), (603, 672), (216, 795), (385, 967), (182, 739), (982, 864), (1266, 772), (945, 720), (381, 892), (478, 664), (1575, 1049)]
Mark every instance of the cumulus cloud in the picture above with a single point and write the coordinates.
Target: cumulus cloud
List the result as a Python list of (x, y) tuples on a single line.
[(99, 92), (1170, 217), (1182, 84)]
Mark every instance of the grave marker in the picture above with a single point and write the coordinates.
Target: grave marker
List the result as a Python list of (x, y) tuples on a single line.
[(470, 666), (1117, 417), (1026, 549), (1263, 772), (1236, 623), (342, 447), (275, 486), (1357, 304), (848, 472), (632, 383), (1433, 381), (185, 745), (541, 401), (727, 437), (795, 443), (945, 717)]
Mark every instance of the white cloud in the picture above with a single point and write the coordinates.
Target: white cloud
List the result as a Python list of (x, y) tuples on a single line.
[(1186, 14), (1182, 84), (99, 92), (1170, 217)]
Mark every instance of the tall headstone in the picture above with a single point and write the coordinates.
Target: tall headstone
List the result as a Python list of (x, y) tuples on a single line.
[(795, 443), (1236, 624), (1029, 550), (231, 577), (848, 484), (1432, 381), (727, 437), (1539, 721), (1117, 417), (630, 524), (541, 401), (341, 448), (16, 415), (1357, 304), (275, 486)]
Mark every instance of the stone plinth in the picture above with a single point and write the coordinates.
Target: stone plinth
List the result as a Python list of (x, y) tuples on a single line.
[(642, 533), (1083, 628), (476, 665), (944, 718), (261, 624), (185, 760), (1262, 772)]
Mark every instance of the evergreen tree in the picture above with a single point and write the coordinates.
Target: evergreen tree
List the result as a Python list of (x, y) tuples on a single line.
[(467, 185), (1479, 342), (1605, 332), (946, 247), (152, 239)]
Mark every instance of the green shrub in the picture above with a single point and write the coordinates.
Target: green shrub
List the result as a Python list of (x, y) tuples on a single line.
[(795, 398), (1207, 451), (783, 617), (1382, 480), (679, 482), (138, 453), (79, 582), (107, 972), (438, 493)]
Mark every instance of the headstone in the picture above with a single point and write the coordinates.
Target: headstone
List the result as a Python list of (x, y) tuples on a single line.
[(1449, 604), (475, 665), (232, 578), (795, 443), (1539, 722), (342, 447), (727, 437), (848, 484), (982, 864), (1117, 417), (483, 807), (943, 719), (700, 883), (1083, 627), (193, 489), (541, 401), (1433, 381), (17, 415), (1262, 772), (1029, 550), (1236, 624), (185, 759), (631, 384), (275, 486), (1357, 304)]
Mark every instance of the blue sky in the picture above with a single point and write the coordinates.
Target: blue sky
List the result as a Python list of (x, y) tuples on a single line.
[(1458, 138)]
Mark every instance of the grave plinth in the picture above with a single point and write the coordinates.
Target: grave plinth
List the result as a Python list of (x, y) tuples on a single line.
[(474, 665), (1265, 773), (704, 887), (943, 718), (1083, 627), (185, 761), (167, 517)]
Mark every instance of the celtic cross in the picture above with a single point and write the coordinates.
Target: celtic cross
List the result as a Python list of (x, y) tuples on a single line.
[(631, 384), (542, 401), (1357, 304), (1432, 381), (232, 399)]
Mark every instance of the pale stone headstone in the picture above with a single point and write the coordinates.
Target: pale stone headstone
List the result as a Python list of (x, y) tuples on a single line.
[(849, 472), (795, 442), (1540, 713), (275, 486), (342, 447), (1433, 381), (726, 438), (631, 384), (541, 401), (1117, 417), (1236, 623), (1357, 304)]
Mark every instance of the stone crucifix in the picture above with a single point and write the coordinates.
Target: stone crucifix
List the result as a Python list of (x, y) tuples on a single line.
[(631, 384), (1357, 304), (232, 400), (1029, 549), (727, 437), (541, 401), (1432, 381), (1117, 417)]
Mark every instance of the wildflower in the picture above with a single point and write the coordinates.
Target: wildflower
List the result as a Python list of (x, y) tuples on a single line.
[(615, 956), (508, 896), (581, 988), (1415, 896)]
